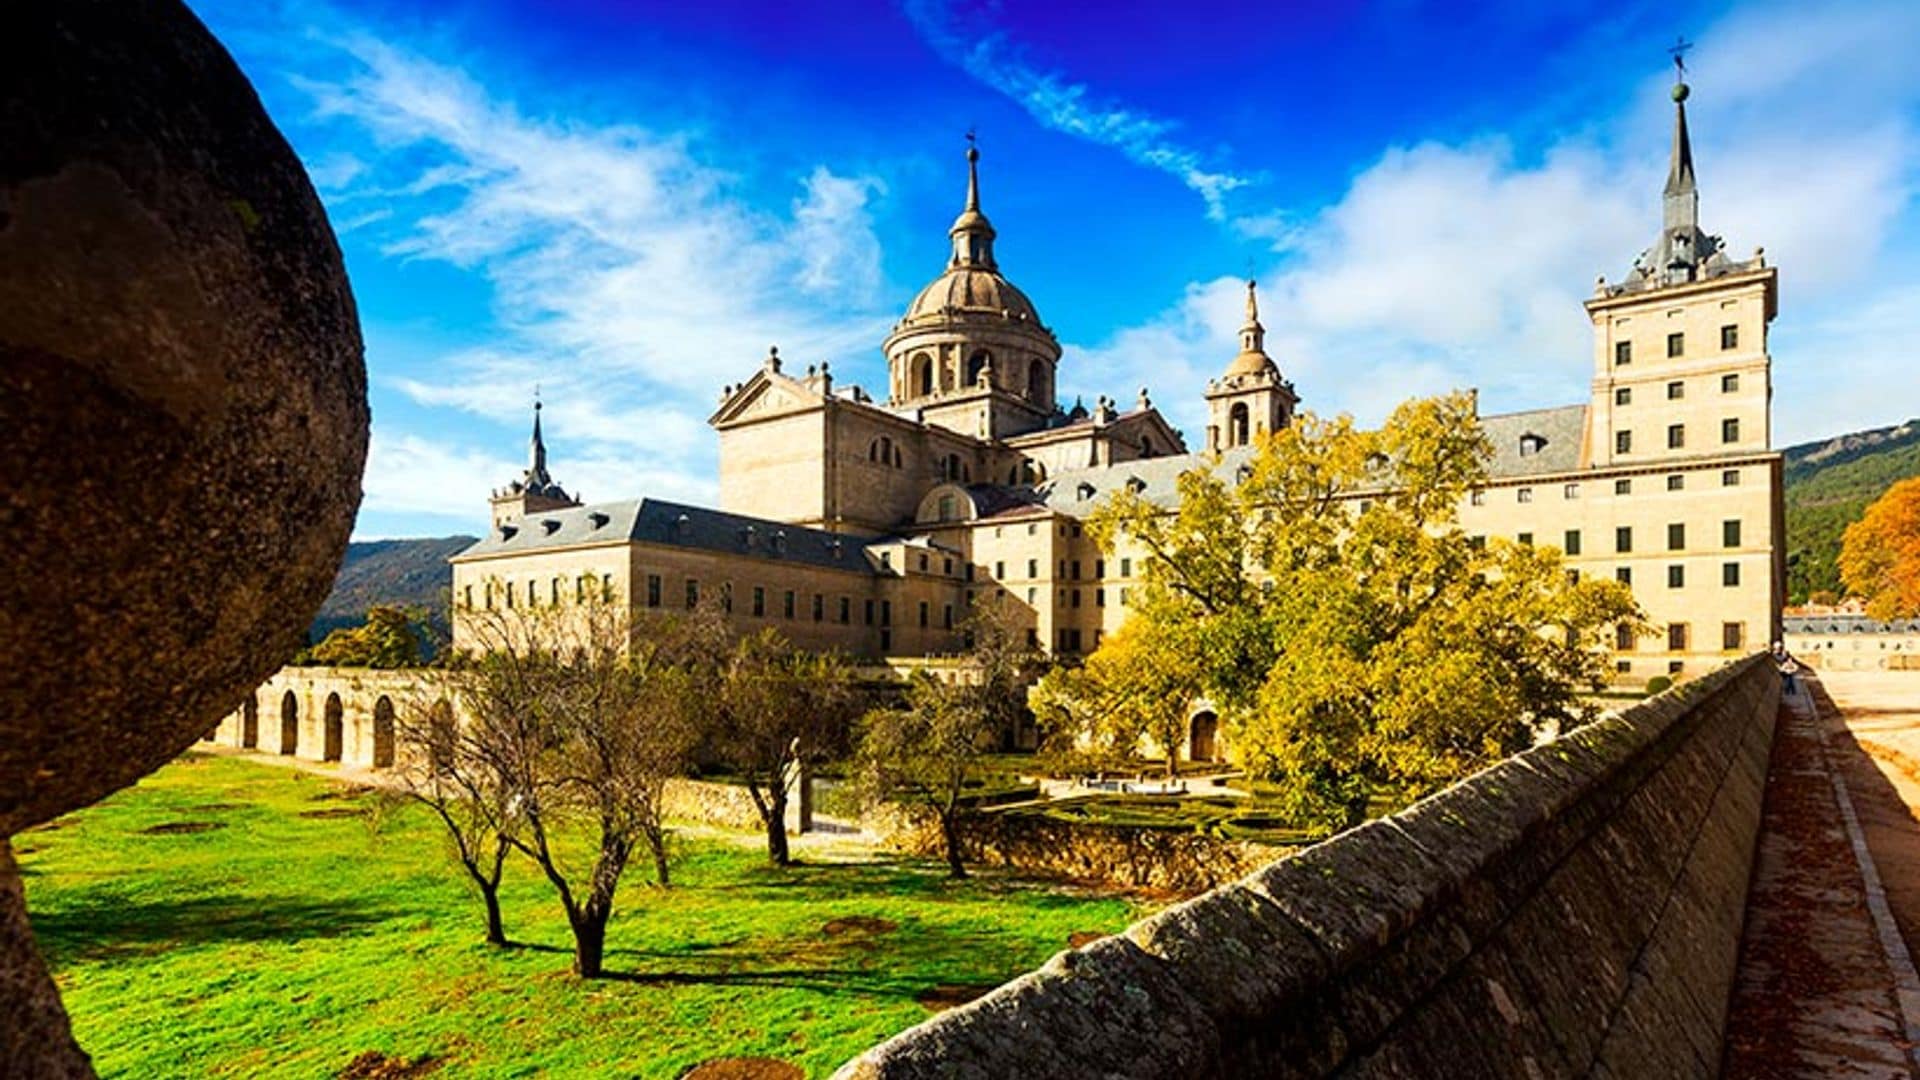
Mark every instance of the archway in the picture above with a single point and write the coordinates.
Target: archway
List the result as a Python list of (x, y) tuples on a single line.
[(440, 736), (383, 733), (1203, 738), (922, 376), (250, 722), (335, 729), (1237, 425), (976, 364), (289, 723)]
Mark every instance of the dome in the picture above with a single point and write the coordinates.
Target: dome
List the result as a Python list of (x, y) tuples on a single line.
[(970, 290), (1250, 363)]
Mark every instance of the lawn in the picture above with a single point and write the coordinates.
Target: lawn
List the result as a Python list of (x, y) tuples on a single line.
[(306, 926)]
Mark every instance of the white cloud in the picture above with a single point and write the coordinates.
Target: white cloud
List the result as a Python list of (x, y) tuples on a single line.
[(990, 57)]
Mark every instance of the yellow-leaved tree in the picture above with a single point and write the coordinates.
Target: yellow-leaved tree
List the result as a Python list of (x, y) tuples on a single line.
[(1355, 642), (1880, 554)]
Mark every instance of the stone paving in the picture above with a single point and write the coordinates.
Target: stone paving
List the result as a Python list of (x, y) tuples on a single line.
[(1816, 994)]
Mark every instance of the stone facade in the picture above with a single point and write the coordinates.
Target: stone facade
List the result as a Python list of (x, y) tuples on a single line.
[(969, 482)]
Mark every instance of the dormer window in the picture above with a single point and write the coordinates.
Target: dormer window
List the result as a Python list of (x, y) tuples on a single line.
[(1531, 444), (598, 519), (550, 525), (507, 532), (780, 542), (1137, 485), (1086, 490)]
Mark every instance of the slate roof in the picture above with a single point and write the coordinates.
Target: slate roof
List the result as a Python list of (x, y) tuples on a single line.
[(655, 521), (1563, 429), (1846, 624)]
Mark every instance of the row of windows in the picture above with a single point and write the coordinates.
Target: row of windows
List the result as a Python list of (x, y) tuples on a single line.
[(1677, 575), (1069, 569), (1621, 486), (1677, 389), (1571, 542), (1733, 637), (510, 593), (1677, 345), (1677, 436)]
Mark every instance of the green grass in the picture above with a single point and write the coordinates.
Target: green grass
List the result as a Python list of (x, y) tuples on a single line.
[(282, 946)]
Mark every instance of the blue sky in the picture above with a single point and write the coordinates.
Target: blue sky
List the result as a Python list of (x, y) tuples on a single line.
[(626, 203)]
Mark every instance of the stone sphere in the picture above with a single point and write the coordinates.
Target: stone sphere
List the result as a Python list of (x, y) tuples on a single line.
[(183, 411), (1680, 91)]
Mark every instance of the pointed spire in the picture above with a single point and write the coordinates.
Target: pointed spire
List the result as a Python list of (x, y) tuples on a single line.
[(1682, 198), (1253, 356), (537, 466), (972, 233)]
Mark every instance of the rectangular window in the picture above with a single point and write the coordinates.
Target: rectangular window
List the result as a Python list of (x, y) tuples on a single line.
[(606, 588), (467, 601), (786, 605), (726, 597), (580, 589), (509, 596), (1123, 597), (1099, 568), (1033, 597), (1677, 637), (693, 594), (1676, 576), (1076, 598), (886, 640), (869, 612), (1573, 577), (1076, 569), (946, 616), (846, 612), (923, 614), (1524, 495), (1000, 570), (1623, 637), (1033, 568), (759, 601), (1733, 636), (1730, 430), (1730, 533), (886, 613), (1524, 539), (1730, 478), (1477, 543), (1676, 536), (1674, 666), (1676, 436), (1126, 568), (819, 608), (1623, 574), (653, 590), (1099, 598), (1623, 442), (1729, 383), (1623, 487), (1623, 395), (1676, 391), (1676, 344), (1623, 353), (1730, 574), (1572, 546), (1729, 337), (1623, 539), (1571, 491), (1677, 482), (1477, 497)]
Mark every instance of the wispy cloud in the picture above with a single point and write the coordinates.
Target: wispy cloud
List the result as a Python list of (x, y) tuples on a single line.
[(969, 41)]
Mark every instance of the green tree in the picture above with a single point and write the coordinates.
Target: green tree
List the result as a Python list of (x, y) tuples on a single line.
[(1136, 689), (1355, 641), (392, 637)]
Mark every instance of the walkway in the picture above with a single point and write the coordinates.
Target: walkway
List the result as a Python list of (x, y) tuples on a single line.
[(1816, 991)]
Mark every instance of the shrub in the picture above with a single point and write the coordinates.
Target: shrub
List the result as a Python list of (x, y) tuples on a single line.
[(1659, 684)]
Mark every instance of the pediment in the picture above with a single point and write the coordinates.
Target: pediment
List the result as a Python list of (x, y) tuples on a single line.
[(764, 395)]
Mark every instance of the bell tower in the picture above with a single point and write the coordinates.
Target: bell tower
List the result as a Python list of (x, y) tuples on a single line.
[(535, 492), (1251, 398)]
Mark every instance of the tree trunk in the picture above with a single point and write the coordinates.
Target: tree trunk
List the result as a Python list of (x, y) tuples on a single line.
[(589, 941), (496, 929), (657, 842), (950, 829), (776, 819)]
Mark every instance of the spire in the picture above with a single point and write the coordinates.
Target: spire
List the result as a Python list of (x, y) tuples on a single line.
[(972, 233), (1253, 357), (1682, 198), (537, 467)]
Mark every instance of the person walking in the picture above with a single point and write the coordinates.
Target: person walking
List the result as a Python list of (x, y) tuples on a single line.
[(1787, 666)]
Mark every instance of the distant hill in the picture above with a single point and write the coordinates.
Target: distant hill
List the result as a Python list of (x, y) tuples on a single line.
[(1829, 485), (410, 573)]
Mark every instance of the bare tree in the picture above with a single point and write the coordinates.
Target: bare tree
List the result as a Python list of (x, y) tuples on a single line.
[(927, 751), (458, 772), (780, 712)]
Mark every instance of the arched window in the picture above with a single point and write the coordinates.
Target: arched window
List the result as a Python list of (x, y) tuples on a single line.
[(289, 723), (1237, 425), (335, 730), (1202, 744), (922, 375), (383, 733), (250, 722), (976, 364), (946, 508), (1037, 382)]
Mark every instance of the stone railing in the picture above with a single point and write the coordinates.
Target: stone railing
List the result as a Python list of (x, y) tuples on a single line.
[(1572, 911)]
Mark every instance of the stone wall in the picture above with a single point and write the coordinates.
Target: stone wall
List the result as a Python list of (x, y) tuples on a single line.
[(1127, 856), (1572, 911)]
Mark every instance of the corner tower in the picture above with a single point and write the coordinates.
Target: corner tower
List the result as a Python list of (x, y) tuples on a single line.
[(535, 492), (1250, 398), (1681, 367), (971, 354)]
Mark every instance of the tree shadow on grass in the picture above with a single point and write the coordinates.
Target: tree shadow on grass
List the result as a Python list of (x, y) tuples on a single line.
[(96, 927)]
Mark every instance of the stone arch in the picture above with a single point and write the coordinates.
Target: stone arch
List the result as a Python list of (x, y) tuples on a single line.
[(920, 375), (1237, 424), (333, 735), (250, 722), (440, 736), (383, 733), (289, 723), (1037, 382), (1203, 737), (980, 361)]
